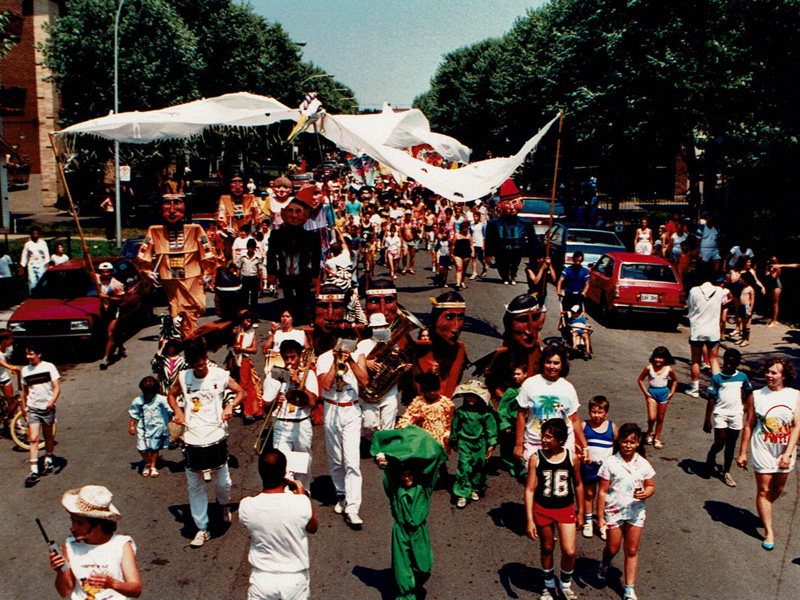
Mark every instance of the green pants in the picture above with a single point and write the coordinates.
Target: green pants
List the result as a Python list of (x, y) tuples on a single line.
[(412, 559), (471, 473)]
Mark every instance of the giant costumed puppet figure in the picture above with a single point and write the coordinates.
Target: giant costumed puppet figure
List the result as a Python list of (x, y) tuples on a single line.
[(509, 237), (178, 254), (236, 209), (444, 354)]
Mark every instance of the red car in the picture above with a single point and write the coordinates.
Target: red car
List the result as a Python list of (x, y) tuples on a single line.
[(64, 307), (623, 282)]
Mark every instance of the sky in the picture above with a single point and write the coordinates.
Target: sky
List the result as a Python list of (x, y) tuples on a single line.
[(388, 50)]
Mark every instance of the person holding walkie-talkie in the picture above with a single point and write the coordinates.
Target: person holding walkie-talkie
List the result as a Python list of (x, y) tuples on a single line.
[(96, 562)]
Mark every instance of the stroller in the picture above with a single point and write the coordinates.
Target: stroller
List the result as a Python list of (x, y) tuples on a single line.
[(574, 328)]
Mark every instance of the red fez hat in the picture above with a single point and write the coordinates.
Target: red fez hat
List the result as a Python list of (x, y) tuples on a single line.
[(509, 191), (306, 193)]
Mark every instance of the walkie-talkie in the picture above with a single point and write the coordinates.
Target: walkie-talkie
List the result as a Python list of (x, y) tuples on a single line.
[(51, 545)]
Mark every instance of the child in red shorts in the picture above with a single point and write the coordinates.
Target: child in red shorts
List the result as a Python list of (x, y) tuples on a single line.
[(554, 485)]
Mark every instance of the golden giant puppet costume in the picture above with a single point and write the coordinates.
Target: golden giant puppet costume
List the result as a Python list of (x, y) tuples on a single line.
[(178, 254)]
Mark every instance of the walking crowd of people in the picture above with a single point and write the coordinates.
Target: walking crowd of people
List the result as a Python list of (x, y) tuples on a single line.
[(342, 354)]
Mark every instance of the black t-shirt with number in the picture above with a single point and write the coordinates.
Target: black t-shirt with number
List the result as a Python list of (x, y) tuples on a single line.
[(555, 482)]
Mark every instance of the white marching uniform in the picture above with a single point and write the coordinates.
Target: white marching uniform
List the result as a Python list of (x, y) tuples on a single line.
[(380, 415), (293, 431), (342, 421), (204, 426)]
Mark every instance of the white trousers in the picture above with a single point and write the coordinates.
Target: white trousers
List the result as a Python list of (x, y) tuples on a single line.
[(278, 586), (198, 500), (343, 441), (289, 436), (35, 273), (381, 415)]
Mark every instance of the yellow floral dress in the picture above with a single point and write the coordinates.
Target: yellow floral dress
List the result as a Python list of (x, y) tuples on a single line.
[(434, 417)]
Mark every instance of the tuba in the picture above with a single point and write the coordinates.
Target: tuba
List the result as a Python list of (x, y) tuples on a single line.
[(390, 357)]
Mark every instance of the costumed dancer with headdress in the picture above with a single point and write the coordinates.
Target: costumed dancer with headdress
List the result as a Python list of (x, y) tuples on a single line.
[(415, 461), (444, 354), (339, 271), (178, 253), (509, 237), (234, 210)]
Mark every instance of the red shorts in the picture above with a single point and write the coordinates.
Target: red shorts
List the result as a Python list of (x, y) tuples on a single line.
[(547, 516)]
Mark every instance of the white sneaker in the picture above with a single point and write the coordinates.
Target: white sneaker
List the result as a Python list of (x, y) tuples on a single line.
[(630, 595), (694, 393), (338, 508), (587, 530), (569, 593), (226, 514), (199, 539), (461, 502), (474, 496), (547, 594), (353, 520), (603, 532)]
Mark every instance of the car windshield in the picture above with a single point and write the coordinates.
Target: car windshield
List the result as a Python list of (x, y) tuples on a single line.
[(589, 236), (541, 207), (64, 284), (647, 272)]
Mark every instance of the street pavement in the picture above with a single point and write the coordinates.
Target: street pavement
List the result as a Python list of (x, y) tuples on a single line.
[(701, 539)]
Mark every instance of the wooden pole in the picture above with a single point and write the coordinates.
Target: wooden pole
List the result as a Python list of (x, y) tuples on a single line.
[(87, 257), (555, 180)]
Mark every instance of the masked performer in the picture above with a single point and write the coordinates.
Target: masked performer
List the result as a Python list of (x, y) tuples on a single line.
[(236, 209), (444, 354), (178, 253), (509, 237)]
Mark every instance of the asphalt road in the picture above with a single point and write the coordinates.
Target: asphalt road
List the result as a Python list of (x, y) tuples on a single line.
[(701, 539)]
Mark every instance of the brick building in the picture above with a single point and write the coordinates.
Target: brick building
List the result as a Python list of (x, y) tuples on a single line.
[(29, 106)]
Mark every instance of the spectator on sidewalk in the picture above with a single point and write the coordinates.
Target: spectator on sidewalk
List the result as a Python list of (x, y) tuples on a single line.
[(35, 256)]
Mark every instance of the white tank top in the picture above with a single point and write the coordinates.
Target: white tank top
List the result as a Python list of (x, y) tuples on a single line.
[(85, 559), (658, 381)]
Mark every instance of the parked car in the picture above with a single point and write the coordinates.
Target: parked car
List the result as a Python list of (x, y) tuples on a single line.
[(299, 180), (624, 283), (64, 307), (566, 239), (538, 211)]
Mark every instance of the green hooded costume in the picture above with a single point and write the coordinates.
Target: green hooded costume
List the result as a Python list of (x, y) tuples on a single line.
[(410, 448), (474, 432)]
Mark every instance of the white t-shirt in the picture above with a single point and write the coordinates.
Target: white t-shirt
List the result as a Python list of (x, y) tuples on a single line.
[(704, 306), (376, 222), (56, 260), (39, 381), (280, 336), (624, 478), (350, 391), (277, 527), (203, 406), (5, 266), (239, 248), (775, 413), (289, 411), (677, 240), (728, 390), (35, 254), (544, 400), (343, 261), (5, 375), (736, 254), (85, 559), (396, 213), (478, 233), (276, 207), (249, 266)]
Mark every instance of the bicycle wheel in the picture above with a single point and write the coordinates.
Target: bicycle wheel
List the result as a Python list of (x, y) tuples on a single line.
[(19, 432)]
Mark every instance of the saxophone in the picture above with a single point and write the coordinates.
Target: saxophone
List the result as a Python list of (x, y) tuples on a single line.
[(390, 357)]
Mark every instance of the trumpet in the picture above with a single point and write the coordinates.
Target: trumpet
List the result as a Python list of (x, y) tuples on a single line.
[(341, 371)]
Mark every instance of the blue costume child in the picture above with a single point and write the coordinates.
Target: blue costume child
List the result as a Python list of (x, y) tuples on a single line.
[(150, 415)]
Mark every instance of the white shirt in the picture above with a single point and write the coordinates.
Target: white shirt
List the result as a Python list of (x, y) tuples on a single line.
[(203, 406), (85, 559), (5, 266), (239, 248), (478, 233), (396, 213), (677, 240), (289, 411), (35, 254), (736, 254), (376, 222), (5, 375), (704, 306), (624, 478), (56, 260), (350, 391), (775, 413), (280, 336), (39, 381), (277, 527), (249, 266), (545, 400)]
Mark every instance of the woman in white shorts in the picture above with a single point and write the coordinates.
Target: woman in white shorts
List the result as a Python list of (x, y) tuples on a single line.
[(771, 430)]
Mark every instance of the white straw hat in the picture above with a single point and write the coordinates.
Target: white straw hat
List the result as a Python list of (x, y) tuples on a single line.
[(93, 501)]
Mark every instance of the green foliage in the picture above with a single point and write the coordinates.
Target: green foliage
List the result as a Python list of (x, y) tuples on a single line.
[(6, 41)]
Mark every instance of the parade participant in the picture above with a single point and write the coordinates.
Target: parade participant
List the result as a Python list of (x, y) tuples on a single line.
[(100, 563), (58, 257), (41, 389), (474, 435), (166, 364), (444, 354), (205, 420), (293, 431), (522, 325), (462, 252), (249, 267), (548, 395), (478, 239), (443, 255), (509, 237), (340, 376), (507, 409), (430, 410), (728, 393), (393, 243), (573, 282), (245, 345), (329, 310), (178, 254), (600, 436), (281, 194), (284, 330), (552, 491), (414, 468), (320, 219), (704, 306), (6, 368), (409, 228), (150, 413), (771, 430), (539, 273), (626, 481), (339, 271), (294, 258), (658, 381), (234, 210), (34, 257), (112, 294), (278, 524)]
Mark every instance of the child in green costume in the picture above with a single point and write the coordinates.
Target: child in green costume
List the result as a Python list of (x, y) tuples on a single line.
[(507, 410), (414, 459), (474, 434)]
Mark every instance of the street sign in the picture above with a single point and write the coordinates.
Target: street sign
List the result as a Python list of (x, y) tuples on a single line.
[(124, 173)]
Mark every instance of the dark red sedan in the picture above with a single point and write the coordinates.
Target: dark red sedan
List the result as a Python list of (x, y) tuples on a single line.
[(623, 282)]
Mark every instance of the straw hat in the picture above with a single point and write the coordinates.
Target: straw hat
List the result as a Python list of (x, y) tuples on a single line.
[(92, 501)]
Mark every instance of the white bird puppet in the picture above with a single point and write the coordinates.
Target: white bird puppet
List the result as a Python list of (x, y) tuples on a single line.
[(310, 112)]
